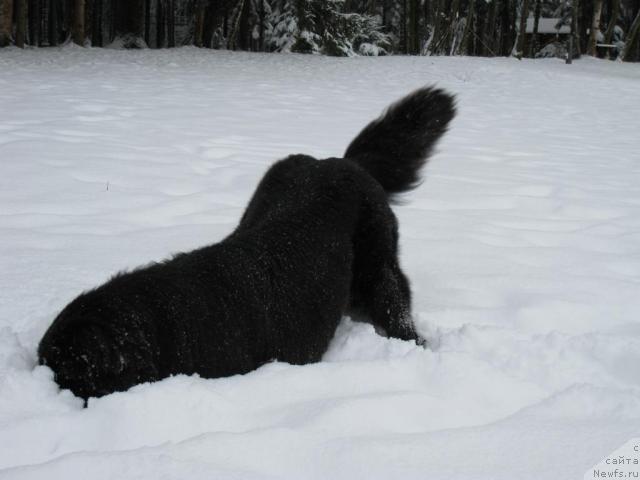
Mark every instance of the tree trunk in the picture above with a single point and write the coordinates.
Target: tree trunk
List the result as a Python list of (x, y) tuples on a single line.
[(595, 28), (147, 22), (463, 49), (522, 31), (232, 38), (52, 23), (438, 27), (199, 27), (6, 22), (96, 24), (34, 12), (405, 30), (585, 15), (262, 18), (160, 24), (536, 24), (225, 23), (575, 30), (613, 19), (21, 23), (244, 29), (453, 26), (507, 28), (66, 19), (414, 41), (171, 24), (210, 24), (78, 22), (631, 38), (490, 29)]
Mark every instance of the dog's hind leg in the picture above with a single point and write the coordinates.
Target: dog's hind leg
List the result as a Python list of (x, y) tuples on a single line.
[(380, 290)]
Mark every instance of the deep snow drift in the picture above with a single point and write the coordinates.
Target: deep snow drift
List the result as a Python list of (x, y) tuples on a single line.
[(523, 247)]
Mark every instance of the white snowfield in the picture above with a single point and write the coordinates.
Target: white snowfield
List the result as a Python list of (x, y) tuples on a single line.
[(522, 245)]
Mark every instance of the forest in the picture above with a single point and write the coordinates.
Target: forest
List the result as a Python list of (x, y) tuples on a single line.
[(520, 28)]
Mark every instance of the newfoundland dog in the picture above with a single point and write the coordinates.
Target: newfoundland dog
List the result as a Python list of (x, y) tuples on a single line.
[(318, 240)]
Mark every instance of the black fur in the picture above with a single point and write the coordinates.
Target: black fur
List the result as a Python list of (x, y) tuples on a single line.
[(317, 240)]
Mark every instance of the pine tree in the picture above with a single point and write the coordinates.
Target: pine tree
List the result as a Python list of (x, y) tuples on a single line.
[(281, 27)]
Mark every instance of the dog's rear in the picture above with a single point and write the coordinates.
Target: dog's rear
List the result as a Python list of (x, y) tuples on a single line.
[(317, 240), (394, 147)]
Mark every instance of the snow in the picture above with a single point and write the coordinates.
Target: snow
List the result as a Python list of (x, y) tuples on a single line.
[(523, 247)]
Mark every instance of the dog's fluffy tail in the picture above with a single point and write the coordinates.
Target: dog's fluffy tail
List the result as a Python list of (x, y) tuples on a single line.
[(394, 147)]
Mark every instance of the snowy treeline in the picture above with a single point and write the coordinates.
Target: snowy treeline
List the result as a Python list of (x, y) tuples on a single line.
[(332, 27)]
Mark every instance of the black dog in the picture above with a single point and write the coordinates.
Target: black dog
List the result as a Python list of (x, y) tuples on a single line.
[(317, 240)]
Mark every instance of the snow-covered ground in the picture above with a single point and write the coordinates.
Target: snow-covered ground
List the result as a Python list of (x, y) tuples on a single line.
[(523, 246)]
